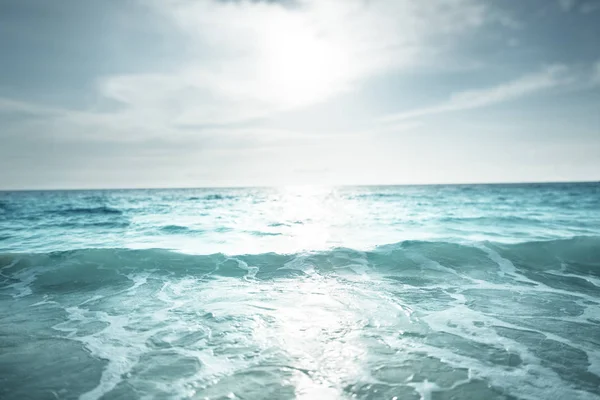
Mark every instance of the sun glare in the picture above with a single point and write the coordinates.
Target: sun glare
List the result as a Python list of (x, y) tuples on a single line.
[(300, 66)]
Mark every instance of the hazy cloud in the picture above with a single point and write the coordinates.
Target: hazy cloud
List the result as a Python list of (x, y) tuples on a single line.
[(567, 5), (596, 74), (584, 6), (259, 58), (249, 60), (470, 99)]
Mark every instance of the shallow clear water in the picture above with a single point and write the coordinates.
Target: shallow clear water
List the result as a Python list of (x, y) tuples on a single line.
[(431, 292)]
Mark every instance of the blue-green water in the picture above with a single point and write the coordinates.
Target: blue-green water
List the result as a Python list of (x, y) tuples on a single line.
[(425, 292)]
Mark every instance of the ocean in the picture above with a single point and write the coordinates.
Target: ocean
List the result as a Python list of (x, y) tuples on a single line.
[(392, 292)]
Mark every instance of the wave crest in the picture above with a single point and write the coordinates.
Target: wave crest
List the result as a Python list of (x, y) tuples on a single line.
[(569, 264)]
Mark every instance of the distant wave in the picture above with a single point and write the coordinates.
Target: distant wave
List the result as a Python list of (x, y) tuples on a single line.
[(178, 229), (219, 197), (121, 223), (102, 210), (377, 195), (278, 224), (263, 233), (213, 197), (491, 219)]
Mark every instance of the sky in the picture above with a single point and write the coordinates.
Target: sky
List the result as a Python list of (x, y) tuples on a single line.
[(192, 93)]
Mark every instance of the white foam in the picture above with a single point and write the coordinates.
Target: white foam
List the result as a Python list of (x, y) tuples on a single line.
[(326, 325), (138, 280), (251, 271), (425, 388), (44, 301), (12, 264), (506, 267), (299, 263), (25, 278)]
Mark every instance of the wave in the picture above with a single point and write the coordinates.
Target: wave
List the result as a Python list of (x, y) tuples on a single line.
[(102, 210), (213, 196), (278, 224), (111, 224), (566, 264), (376, 195), (178, 229), (263, 233), (511, 219), (219, 197)]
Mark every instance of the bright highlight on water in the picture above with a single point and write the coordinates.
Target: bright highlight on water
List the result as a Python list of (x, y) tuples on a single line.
[(424, 292)]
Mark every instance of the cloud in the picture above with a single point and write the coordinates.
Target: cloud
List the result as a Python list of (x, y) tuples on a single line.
[(154, 117), (21, 107), (567, 5), (248, 60), (596, 73), (590, 7), (583, 6), (470, 99)]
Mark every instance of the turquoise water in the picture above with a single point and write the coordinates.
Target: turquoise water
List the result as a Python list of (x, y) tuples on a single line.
[(424, 292)]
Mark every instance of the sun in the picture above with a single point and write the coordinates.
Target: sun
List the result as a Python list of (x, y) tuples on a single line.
[(300, 66)]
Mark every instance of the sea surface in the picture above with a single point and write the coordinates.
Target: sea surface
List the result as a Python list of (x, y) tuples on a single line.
[(409, 292)]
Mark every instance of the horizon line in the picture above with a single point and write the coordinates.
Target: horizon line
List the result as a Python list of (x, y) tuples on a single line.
[(508, 183)]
